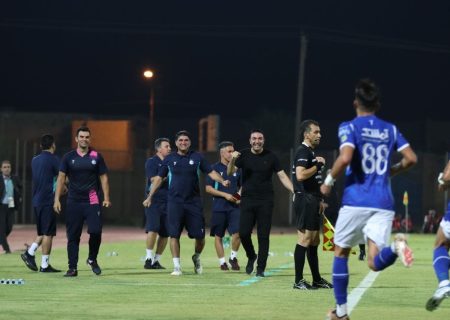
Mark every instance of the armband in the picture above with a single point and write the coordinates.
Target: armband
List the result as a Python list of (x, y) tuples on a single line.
[(329, 180)]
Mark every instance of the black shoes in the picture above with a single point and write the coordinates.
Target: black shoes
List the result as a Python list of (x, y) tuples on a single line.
[(250, 264), (322, 284), (303, 285), (362, 255), (48, 269), (260, 273), (234, 264), (71, 273), (94, 266), (148, 264), (156, 265), (29, 260)]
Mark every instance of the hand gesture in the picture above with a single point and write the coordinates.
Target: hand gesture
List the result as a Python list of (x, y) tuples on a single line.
[(235, 154)]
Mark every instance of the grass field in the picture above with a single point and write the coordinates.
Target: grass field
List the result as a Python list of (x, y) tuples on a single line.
[(125, 290)]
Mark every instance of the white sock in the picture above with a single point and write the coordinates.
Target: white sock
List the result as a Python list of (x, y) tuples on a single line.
[(444, 283), (176, 263), (44, 261), (341, 310), (157, 257), (32, 249), (222, 260), (233, 254), (149, 254)]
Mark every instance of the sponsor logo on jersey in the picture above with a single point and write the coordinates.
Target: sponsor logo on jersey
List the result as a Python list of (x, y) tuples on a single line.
[(375, 134)]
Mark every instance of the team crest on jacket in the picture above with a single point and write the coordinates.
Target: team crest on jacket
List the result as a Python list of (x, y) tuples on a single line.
[(93, 161), (191, 162)]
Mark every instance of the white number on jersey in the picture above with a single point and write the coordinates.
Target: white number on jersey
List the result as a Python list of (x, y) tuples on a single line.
[(374, 159)]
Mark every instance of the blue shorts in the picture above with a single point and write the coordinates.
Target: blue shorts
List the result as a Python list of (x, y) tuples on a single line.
[(223, 220), (156, 219), (45, 220), (77, 213), (186, 215)]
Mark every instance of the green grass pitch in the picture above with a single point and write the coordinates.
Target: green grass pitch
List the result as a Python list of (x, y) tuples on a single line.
[(125, 290)]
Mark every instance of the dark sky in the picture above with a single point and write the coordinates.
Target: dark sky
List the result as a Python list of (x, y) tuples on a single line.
[(224, 57)]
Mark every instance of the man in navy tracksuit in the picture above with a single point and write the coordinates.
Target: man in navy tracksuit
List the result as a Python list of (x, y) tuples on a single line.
[(184, 205), (45, 168), (86, 171)]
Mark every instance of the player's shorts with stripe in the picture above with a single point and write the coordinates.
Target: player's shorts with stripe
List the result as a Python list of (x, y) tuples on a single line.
[(45, 220), (357, 224), (156, 218), (223, 220)]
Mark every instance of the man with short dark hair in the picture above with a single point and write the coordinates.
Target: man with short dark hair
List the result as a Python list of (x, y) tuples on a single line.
[(225, 208), (308, 206), (258, 165), (44, 169), (184, 207), (367, 144), (87, 173), (156, 214), (10, 199)]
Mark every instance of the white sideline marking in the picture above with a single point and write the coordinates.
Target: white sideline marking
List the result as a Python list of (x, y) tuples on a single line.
[(357, 293)]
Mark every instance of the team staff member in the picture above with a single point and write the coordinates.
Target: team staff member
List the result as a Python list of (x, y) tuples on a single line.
[(10, 197), (44, 167), (184, 207), (86, 171), (308, 205), (257, 165), (367, 144), (156, 214), (225, 214)]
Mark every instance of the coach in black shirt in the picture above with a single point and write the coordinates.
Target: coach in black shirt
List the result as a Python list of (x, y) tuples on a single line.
[(308, 205), (258, 166)]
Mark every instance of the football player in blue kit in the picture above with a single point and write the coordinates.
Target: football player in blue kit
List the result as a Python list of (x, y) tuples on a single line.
[(366, 146)]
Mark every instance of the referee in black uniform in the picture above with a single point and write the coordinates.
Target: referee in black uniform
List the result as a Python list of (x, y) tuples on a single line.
[(308, 206)]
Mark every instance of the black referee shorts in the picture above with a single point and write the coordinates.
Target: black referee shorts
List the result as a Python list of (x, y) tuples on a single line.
[(307, 215)]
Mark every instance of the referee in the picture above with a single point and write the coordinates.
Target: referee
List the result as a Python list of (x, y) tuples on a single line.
[(308, 206)]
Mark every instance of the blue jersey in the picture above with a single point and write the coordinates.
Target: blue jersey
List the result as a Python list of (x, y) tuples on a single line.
[(367, 182), (183, 172), (44, 168), (220, 203), (152, 166), (83, 172)]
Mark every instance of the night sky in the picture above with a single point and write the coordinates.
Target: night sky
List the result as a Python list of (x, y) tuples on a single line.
[(224, 57)]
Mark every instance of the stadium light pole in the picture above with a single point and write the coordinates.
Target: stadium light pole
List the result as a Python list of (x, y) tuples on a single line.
[(148, 75)]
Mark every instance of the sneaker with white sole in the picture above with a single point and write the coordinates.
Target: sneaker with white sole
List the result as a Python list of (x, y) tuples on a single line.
[(439, 295), (331, 315), (176, 272), (198, 268), (402, 249)]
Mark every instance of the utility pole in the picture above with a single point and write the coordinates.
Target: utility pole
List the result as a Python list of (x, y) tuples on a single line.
[(300, 89)]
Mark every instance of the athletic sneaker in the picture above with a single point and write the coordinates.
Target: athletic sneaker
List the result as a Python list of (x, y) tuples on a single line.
[(403, 251), (303, 285), (148, 264), (48, 269), (94, 266), (260, 273), (250, 265), (71, 273), (333, 316), (198, 268), (322, 284), (234, 264), (439, 295), (224, 267), (176, 272), (29, 260), (157, 265)]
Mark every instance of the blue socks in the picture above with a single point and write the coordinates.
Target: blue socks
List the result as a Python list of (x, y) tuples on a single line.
[(441, 263), (385, 258), (340, 279)]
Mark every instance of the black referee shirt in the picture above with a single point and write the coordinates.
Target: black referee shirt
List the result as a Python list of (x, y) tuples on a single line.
[(306, 158)]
